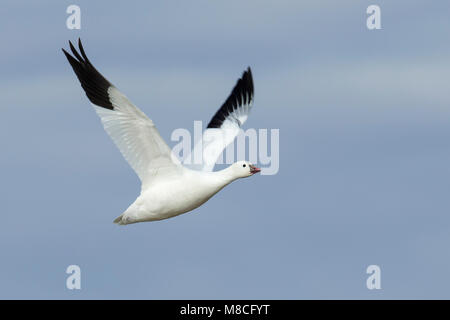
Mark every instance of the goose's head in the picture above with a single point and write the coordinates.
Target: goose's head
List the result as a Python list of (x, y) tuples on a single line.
[(243, 169)]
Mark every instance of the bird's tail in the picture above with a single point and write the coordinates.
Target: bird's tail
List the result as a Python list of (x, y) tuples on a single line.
[(118, 220)]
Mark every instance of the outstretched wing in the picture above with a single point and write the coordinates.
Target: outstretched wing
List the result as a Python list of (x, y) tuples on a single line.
[(224, 125), (131, 130)]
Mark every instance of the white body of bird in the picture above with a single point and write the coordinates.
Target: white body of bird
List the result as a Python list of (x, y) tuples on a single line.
[(181, 191), (168, 188)]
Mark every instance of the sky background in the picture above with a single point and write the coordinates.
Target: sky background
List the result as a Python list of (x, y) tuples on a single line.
[(364, 120)]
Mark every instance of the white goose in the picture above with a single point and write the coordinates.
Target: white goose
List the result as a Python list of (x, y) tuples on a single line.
[(168, 188)]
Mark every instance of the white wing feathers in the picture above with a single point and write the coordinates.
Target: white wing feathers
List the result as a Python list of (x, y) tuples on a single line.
[(224, 125), (135, 135), (131, 130)]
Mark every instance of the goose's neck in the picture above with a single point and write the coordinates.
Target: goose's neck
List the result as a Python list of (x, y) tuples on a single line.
[(226, 175)]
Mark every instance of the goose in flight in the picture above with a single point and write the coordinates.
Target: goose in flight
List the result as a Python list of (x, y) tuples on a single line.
[(168, 188)]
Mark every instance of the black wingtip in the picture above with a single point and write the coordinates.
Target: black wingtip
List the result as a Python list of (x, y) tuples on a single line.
[(250, 79), (75, 52), (72, 47), (241, 95), (94, 84)]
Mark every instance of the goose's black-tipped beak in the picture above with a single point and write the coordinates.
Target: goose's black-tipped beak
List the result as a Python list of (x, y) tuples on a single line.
[(254, 169)]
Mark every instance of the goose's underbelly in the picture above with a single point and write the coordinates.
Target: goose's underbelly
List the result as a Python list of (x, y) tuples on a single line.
[(171, 198)]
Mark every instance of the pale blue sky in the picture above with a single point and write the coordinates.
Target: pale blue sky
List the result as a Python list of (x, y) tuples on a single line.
[(364, 119)]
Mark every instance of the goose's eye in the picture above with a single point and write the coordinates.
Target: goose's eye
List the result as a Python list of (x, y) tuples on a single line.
[(244, 165)]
